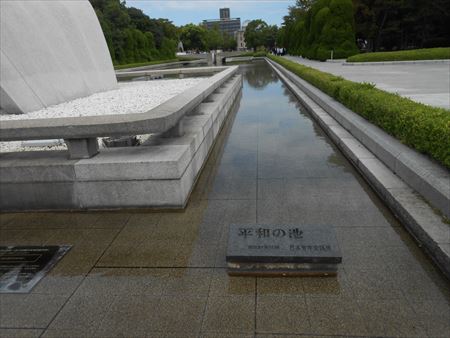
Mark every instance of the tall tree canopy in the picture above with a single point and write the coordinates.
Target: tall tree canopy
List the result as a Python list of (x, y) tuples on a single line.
[(316, 28), (193, 37), (132, 36), (197, 37), (313, 28), (403, 24), (259, 34)]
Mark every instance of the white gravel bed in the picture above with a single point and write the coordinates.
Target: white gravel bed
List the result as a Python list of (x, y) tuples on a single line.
[(129, 98), (13, 146)]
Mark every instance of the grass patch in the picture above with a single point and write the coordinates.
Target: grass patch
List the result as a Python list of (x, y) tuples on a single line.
[(148, 63), (403, 55), (422, 127)]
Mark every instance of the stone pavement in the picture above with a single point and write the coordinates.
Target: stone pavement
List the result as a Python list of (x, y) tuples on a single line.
[(162, 274), (422, 82)]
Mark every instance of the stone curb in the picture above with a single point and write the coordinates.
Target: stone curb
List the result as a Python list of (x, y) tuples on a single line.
[(411, 62), (424, 224)]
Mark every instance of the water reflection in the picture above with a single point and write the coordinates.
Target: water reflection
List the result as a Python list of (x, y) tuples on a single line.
[(270, 164), (335, 159), (258, 75)]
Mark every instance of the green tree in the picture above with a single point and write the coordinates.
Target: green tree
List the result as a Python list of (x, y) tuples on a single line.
[(402, 24), (338, 32), (270, 36), (214, 38), (254, 33), (259, 34), (229, 42), (132, 36), (315, 28), (292, 33), (193, 37), (303, 5)]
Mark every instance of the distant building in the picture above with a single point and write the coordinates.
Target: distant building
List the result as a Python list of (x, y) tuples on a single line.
[(225, 23), (224, 13)]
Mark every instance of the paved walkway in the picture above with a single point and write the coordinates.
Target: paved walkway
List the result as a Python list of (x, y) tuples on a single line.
[(426, 83), (162, 274)]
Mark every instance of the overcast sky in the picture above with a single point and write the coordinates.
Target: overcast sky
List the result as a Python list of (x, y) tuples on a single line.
[(182, 12)]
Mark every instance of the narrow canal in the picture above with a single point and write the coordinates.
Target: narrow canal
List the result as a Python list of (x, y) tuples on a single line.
[(163, 273)]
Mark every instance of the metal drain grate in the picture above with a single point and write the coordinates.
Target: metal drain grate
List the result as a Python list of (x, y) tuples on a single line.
[(22, 267)]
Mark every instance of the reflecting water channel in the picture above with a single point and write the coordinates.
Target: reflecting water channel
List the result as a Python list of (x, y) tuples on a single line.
[(162, 273)]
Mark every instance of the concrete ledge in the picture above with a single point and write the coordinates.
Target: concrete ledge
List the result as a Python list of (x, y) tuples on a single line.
[(239, 59), (156, 120), (161, 65), (175, 71), (425, 225), (424, 175), (161, 174)]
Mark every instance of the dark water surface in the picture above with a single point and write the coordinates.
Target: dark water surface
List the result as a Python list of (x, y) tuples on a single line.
[(162, 274)]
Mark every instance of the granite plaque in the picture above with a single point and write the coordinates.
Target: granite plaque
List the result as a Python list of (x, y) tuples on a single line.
[(22, 267), (282, 250)]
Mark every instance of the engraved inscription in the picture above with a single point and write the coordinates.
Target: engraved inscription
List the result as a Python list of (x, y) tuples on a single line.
[(294, 233), (293, 247), (264, 246)]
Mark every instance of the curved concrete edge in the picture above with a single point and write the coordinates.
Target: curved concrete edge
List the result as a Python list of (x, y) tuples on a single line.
[(406, 62), (156, 120), (424, 224), (161, 66), (424, 175), (174, 71)]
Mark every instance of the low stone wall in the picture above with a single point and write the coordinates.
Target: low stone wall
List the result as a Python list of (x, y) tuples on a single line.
[(160, 175)]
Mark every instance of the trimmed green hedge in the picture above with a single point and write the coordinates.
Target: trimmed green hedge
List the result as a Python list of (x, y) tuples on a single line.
[(425, 128), (403, 55)]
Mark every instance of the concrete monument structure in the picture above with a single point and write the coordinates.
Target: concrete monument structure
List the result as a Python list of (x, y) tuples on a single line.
[(51, 52), (54, 52)]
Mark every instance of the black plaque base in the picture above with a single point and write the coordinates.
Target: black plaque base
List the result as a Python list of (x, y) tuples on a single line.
[(282, 250), (281, 269), (22, 267)]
